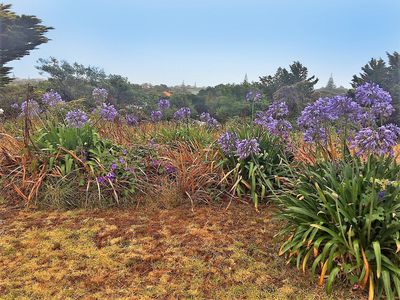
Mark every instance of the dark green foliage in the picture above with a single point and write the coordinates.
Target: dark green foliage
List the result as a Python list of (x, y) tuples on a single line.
[(298, 74), (18, 36), (337, 212), (259, 175)]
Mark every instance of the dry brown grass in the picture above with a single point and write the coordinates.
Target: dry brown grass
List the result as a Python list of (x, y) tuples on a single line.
[(149, 253)]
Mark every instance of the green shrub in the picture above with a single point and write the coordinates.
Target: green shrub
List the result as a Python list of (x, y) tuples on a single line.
[(262, 173), (345, 218)]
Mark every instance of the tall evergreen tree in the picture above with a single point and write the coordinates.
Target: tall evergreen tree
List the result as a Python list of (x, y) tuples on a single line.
[(331, 84), (18, 36)]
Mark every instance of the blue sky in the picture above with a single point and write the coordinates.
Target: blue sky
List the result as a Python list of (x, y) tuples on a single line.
[(214, 41)]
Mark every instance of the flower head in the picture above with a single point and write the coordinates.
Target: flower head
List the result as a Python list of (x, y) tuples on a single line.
[(108, 112), (163, 104), (278, 110), (15, 106), (100, 95), (227, 141), (76, 118), (253, 96), (379, 141), (131, 120), (156, 115), (247, 147), (30, 107), (376, 101), (210, 121), (52, 98), (182, 113)]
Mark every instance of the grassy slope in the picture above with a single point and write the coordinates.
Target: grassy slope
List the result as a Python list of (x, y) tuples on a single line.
[(148, 253)]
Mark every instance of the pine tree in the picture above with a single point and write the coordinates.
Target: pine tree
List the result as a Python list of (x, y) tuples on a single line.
[(246, 80), (331, 84), (18, 36)]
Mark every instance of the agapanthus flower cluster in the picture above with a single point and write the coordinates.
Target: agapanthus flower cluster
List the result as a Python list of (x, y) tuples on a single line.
[(314, 118), (182, 113), (376, 101), (278, 110), (108, 111), (379, 141), (227, 141), (131, 120), (100, 95), (163, 104), (247, 147), (111, 176), (273, 120), (253, 96), (30, 107), (156, 115), (15, 106), (52, 98), (210, 121), (344, 108), (76, 118)]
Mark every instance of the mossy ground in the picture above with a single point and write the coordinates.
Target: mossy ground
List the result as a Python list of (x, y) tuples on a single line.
[(149, 253)]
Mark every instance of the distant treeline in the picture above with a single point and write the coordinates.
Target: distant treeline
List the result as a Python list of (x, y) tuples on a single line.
[(292, 85)]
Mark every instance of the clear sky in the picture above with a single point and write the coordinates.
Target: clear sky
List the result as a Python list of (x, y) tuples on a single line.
[(214, 41)]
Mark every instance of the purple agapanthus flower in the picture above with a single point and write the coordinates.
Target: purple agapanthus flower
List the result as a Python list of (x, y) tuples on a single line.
[(170, 169), (52, 98), (163, 104), (376, 101), (30, 107), (111, 176), (227, 141), (182, 113), (278, 110), (15, 106), (156, 115), (76, 118), (379, 141), (247, 147), (108, 112), (210, 121), (273, 120), (253, 96), (131, 120), (100, 95)]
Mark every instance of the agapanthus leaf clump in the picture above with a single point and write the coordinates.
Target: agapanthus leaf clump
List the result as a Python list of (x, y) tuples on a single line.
[(376, 141), (52, 98), (76, 118)]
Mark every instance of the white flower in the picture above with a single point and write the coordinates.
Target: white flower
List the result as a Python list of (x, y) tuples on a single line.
[(1, 111)]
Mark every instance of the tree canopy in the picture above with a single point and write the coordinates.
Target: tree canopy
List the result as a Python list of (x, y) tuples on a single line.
[(18, 36)]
